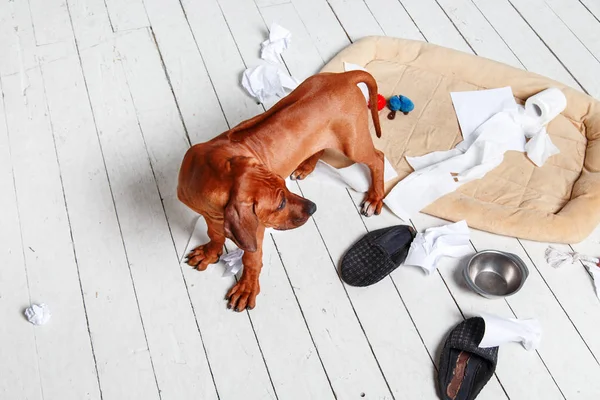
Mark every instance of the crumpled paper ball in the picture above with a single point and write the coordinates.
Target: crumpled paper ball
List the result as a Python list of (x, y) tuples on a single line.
[(38, 314)]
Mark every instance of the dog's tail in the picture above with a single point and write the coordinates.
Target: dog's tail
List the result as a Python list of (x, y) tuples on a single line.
[(367, 78)]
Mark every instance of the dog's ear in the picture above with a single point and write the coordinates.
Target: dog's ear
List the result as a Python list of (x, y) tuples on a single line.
[(241, 223)]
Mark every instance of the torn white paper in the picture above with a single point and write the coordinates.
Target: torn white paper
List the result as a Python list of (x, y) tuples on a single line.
[(38, 314), (539, 148), (595, 272), (499, 331), (278, 41), (481, 152), (357, 176), (429, 247), (362, 86), (233, 262), (266, 81), (199, 236), (556, 258), (473, 108)]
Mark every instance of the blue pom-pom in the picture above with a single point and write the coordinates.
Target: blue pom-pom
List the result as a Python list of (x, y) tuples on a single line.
[(401, 103), (406, 104), (394, 103)]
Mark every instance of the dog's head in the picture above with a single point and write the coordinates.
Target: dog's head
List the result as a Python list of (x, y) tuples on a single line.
[(258, 195)]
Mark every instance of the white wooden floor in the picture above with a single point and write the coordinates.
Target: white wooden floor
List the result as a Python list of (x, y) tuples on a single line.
[(101, 98)]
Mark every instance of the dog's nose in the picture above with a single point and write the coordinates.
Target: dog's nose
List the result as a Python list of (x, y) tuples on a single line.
[(311, 208)]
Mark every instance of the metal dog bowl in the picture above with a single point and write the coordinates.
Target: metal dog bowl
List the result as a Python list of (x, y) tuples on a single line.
[(494, 274)]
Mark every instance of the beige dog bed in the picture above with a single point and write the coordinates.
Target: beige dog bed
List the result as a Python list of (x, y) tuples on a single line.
[(559, 202)]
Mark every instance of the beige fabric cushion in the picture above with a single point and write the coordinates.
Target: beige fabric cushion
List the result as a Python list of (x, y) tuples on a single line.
[(559, 202)]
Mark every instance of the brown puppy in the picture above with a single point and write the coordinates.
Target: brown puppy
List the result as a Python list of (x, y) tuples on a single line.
[(236, 180)]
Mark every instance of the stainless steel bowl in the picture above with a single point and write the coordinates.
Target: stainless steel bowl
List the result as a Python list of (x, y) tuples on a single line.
[(495, 274)]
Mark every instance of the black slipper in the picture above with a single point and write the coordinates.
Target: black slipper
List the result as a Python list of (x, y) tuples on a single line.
[(465, 367), (376, 255)]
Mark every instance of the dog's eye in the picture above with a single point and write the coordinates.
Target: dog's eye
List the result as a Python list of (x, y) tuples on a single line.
[(282, 204)]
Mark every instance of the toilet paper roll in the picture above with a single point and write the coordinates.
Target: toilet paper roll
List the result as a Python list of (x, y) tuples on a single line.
[(546, 105)]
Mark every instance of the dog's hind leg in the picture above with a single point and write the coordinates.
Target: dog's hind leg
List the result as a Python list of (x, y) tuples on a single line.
[(307, 166), (373, 202), (360, 149)]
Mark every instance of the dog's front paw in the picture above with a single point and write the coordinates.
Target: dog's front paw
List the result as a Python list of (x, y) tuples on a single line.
[(202, 256), (371, 205), (243, 294)]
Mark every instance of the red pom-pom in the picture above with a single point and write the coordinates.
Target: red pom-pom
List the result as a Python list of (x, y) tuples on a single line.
[(380, 102)]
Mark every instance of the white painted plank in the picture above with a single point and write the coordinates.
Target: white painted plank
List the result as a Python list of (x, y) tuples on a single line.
[(50, 21), (91, 23), (20, 51), (580, 21), (523, 41), (114, 319), (67, 368), (221, 57), (174, 341), (188, 77), (573, 54), (356, 18), (434, 24), (592, 6), (51, 29), (393, 19), (478, 32), (18, 380), (247, 28), (126, 14), (268, 3), (16, 35)]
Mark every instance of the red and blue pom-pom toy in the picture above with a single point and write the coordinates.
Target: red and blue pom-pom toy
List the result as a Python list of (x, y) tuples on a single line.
[(399, 103), (395, 103)]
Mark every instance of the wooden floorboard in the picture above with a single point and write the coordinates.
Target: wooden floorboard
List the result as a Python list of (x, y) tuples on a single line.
[(101, 98)]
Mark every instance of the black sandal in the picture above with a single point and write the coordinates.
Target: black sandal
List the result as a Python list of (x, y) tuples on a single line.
[(465, 368), (376, 255)]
